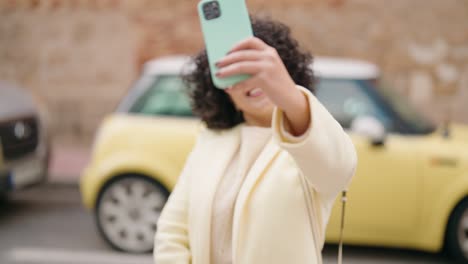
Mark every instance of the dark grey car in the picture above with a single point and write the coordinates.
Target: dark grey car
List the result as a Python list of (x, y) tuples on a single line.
[(24, 148)]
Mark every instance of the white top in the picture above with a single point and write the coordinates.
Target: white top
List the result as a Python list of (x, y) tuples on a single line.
[(253, 140)]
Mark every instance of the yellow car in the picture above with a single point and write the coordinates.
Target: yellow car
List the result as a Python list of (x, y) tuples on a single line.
[(410, 190)]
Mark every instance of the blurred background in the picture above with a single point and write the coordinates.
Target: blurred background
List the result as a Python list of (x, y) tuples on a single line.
[(77, 59), (80, 57)]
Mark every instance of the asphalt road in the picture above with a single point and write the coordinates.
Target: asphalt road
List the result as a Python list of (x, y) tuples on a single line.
[(47, 225)]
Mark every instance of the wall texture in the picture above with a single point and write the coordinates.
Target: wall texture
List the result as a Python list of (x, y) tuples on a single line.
[(78, 57)]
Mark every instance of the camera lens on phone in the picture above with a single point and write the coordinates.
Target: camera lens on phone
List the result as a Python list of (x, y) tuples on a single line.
[(211, 10)]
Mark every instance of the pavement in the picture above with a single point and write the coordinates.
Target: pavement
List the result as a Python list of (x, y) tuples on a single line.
[(47, 224)]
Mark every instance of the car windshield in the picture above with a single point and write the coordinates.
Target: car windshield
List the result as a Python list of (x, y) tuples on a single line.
[(347, 99), (165, 96), (405, 111)]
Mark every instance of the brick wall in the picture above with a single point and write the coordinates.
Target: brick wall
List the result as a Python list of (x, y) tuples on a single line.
[(78, 57)]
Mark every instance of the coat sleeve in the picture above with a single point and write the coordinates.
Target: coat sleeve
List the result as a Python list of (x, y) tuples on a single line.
[(324, 153), (171, 243)]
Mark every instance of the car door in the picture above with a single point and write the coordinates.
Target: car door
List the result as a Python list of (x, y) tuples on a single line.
[(173, 126), (385, 194)]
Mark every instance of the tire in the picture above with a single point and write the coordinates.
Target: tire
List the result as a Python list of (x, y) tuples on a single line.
[(127, 211), (457, 233)]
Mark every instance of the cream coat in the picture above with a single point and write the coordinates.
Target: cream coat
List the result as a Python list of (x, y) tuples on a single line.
[(271, 223)]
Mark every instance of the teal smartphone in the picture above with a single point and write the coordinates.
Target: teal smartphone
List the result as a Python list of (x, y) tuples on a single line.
[(224, 23)]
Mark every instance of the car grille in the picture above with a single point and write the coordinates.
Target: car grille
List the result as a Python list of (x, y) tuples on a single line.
[(19, 137)]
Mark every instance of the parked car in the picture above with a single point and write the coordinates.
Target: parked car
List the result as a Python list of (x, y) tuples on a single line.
[(411, 184), (24, 142)]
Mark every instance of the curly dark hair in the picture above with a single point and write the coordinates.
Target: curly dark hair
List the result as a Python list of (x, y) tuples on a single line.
[(214, 106)]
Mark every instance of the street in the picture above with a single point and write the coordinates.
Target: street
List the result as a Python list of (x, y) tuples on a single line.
[(48, 225)]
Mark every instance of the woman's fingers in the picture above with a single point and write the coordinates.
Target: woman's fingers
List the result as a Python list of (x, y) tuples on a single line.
[(250, 43), (247, 83), (238, 56), (243, 67)]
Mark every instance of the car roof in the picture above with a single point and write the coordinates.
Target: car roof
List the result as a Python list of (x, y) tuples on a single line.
[(324, 67)]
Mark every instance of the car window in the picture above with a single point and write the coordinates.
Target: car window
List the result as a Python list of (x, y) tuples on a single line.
[(166, 96), (410, 121), (348, 99)]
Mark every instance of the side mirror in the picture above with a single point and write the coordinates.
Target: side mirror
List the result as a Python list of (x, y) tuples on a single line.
[(371, 128)]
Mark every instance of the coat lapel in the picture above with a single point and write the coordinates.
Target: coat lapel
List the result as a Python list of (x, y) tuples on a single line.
[(265, 158), (221, 151)]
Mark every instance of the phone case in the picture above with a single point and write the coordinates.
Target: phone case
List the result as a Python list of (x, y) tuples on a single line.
[(222, 33)]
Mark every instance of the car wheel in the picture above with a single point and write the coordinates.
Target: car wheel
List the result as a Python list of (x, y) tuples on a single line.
[(457, 233), (127, 211)]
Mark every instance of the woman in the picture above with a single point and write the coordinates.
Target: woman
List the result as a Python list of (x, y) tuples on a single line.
[(240, 198)]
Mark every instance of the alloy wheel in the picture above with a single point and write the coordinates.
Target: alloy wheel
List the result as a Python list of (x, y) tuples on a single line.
[(128, 211)]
